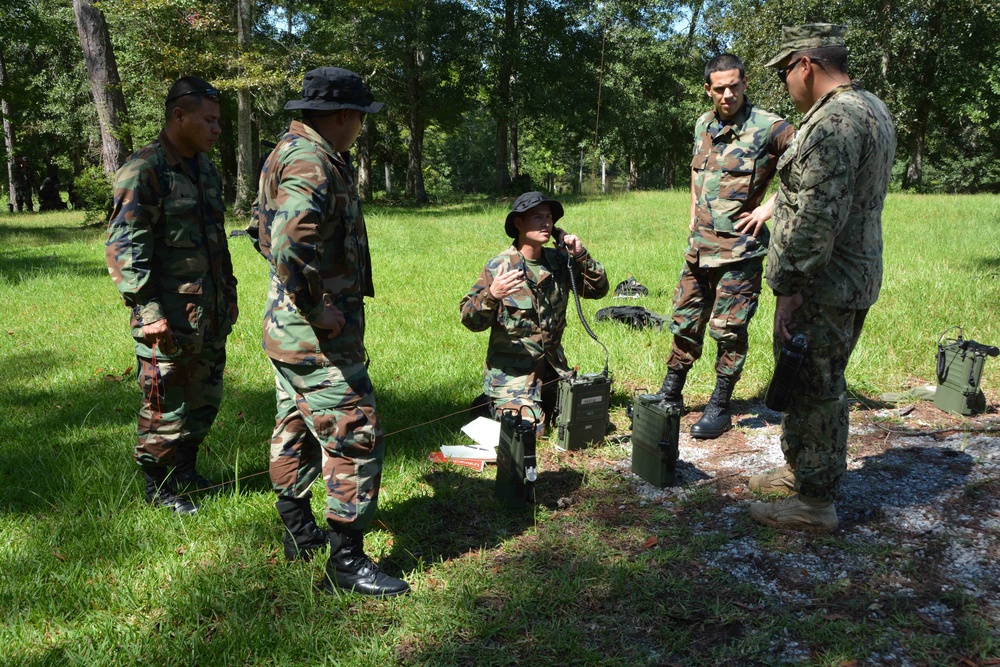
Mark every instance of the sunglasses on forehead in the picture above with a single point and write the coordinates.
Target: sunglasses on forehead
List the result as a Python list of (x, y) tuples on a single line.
[(208, 93)]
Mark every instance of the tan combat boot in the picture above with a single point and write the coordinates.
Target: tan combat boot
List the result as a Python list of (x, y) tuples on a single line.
[(780, 480), (797, 512)]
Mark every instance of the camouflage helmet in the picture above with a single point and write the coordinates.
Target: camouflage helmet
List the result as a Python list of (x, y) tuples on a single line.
[(525, 203), (797, 38)]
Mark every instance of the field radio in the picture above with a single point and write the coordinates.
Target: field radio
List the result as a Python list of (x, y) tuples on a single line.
[(959, 369), (517, 467), (656, 427), (584, 401)]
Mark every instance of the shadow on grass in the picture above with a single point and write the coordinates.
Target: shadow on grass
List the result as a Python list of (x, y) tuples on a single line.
[(13, 235), (20, 266)]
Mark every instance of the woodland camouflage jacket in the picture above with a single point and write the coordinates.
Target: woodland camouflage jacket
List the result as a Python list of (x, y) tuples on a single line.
[(166, 246), (733, 164), (526, 327), (828, 218), (311, 230)]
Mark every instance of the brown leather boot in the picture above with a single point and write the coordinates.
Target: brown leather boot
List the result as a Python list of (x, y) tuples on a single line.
[(797, 512), (778, 481)]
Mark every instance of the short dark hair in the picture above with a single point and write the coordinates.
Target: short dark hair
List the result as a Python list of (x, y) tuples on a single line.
[(831, 58), (723, 63), (188, 93)]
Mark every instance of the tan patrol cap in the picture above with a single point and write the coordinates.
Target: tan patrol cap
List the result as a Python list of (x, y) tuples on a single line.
[(804, 37)]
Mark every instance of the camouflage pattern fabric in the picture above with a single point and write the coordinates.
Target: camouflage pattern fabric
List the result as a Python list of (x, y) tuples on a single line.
[(828, 217), (526, 327), (180, 400), (814, 429), (733, 164), (310, 228), (327, 423), (167, 254), (722, 298), (827, 247)]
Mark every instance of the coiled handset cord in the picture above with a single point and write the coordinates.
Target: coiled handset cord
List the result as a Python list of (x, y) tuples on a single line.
[(579, 310)]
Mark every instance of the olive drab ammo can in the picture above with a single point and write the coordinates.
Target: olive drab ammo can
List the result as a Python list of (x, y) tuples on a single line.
[(517, 468), (582, 406), (959, 369), (656, 426)]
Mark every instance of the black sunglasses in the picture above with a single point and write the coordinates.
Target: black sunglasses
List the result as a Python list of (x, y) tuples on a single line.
[(208, 93), (783, 72)]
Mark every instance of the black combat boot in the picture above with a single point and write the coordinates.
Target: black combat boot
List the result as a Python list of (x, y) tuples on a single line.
[(302, 536), (349, 569), (672, 386), (160, 491), (717, 418), (185, 475)]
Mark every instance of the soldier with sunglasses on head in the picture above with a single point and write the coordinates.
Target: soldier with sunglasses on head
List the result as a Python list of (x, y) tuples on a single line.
[(167, 254)]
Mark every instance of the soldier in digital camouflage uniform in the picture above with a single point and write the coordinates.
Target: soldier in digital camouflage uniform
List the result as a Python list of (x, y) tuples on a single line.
[(825, 263), (521, 297), (310, 228), (167, 254), (736, 147)]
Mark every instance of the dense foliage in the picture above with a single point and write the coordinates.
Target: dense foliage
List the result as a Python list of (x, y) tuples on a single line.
[(497, 95)]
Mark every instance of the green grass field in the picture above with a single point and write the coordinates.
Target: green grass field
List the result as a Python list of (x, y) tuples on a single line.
[(91, 576)]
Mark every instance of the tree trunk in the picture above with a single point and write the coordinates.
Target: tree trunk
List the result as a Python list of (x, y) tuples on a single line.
[(415, 124), (364, 164), (505, 75), (633, 174), (503, 176), (388, 180), (246, 189), (515, 153), (105, 85), (581, 170), (604, 176), (8, 131)]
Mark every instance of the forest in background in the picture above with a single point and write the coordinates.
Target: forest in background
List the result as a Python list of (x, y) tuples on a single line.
[(483, 96)]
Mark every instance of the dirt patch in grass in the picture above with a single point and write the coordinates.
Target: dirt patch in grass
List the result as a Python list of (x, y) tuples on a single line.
[(918, 547)]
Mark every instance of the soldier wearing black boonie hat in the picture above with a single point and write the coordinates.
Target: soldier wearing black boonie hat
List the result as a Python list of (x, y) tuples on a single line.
[(311, 230), (521, 297)]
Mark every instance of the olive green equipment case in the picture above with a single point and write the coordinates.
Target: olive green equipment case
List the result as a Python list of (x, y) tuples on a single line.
[(959, 369), (582, 406), (656, 426), (517, 467)]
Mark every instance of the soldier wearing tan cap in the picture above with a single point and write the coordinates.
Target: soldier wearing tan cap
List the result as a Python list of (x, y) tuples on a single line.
[(824, 263)]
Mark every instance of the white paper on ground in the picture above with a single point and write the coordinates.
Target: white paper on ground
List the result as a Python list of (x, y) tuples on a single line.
[(484, 431), (469, 452)]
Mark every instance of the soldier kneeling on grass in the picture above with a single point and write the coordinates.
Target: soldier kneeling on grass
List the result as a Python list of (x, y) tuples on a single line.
[(521, 297)]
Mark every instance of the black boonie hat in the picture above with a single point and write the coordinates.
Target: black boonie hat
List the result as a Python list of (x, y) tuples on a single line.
[(332, 88), (525, 203)]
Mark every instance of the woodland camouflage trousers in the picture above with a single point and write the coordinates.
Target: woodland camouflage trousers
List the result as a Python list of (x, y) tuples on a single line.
[(326, 423), (723, 299)]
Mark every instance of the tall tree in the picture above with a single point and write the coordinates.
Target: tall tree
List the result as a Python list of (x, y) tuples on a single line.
[(104, 83), (8, 128), (245, 172)]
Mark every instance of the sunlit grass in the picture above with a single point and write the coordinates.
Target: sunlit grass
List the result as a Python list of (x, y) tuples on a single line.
[(89, 575)]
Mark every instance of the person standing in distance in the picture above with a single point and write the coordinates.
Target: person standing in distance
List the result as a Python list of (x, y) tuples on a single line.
[(311, 230), (736, 147), (825, 263), (167, 253)]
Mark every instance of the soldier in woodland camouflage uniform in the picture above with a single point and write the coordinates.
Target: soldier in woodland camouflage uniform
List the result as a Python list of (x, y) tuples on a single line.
[(521, 297), (825, 263), (737, 145), (167, 254), (310, 228)]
